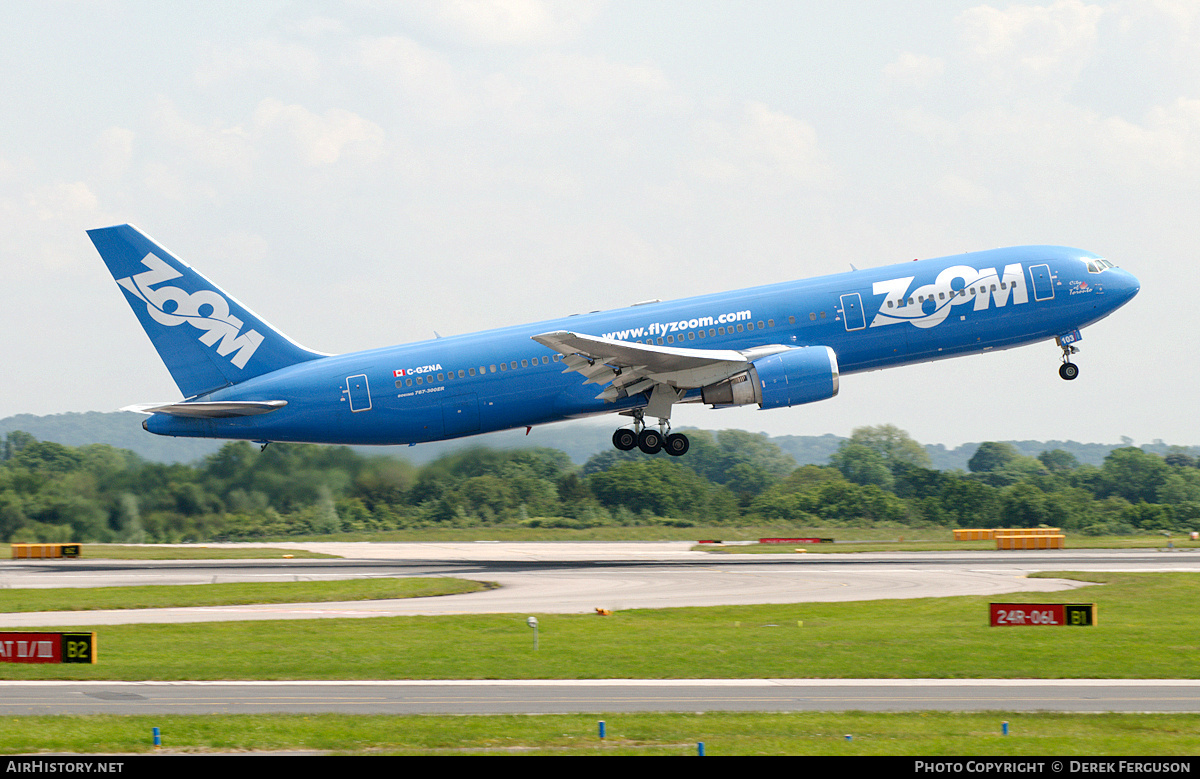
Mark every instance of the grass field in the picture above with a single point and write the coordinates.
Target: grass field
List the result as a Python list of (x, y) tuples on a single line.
[(943, 543), (234, 593), (189, 552), (1148, 628), (926, 734), (846, 540)]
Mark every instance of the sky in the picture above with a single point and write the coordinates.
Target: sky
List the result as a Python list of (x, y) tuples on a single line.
[(370, 172)]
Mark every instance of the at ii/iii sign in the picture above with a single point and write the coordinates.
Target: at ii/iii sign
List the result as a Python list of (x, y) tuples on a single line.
[(47, 647), (1022, 614)]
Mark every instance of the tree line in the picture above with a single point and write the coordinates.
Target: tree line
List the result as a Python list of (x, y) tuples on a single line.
[(879, 477)]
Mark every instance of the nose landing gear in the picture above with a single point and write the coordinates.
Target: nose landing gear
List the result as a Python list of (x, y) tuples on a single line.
[(1068, 370)]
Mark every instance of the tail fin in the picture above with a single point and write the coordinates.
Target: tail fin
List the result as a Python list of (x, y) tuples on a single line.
[(224, 342)]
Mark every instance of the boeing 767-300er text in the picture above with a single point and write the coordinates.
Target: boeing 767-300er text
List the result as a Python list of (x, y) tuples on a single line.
[(774, 346)]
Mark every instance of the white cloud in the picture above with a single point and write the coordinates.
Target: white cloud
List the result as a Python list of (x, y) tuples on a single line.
[(314, 139), (115, 151), (57, 202), (214, 146), (914, 69), (510, 22), (762, 145), (260, 57), (592, 85), (319, 139), (1049, 43), (428, 84), (1167, 142)]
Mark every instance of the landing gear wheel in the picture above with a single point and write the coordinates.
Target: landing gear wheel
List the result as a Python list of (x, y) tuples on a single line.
[(677, 444), (625, 439), (650, 441), (1068, 370)]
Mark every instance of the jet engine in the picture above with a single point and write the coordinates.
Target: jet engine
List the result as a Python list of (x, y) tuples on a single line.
[(789, 378)]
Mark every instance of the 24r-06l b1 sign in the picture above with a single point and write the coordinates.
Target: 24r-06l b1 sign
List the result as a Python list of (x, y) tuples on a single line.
[(1022, 614)]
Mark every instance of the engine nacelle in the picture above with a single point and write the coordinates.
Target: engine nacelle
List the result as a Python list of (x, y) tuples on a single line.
[(789, 378)]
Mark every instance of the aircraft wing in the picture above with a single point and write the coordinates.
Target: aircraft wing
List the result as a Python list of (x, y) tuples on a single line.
[(629, 368)]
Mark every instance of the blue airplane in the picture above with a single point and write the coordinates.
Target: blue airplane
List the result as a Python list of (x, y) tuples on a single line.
[(775, 346)]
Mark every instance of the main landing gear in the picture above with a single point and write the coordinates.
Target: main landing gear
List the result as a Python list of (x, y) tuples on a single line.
[(648, 439)]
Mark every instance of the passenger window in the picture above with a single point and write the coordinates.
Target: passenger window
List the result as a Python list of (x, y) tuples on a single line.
[(399, 382), (691, 336), (524, 363), (491, 369), (791, 320), (739, 328), (441, 377), (472, 371), (461, 373)]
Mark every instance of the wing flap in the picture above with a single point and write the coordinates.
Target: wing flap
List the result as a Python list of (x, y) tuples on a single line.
[(631, 368)]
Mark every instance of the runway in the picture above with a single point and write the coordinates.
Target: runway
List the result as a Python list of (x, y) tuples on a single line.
[(610, 696), (577, 578)]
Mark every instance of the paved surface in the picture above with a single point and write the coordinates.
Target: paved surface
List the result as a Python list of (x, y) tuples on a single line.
[(575, 578), (567, 578), (562, 697)]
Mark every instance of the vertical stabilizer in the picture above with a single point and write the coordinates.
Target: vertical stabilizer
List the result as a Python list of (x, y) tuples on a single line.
[(206, 338)]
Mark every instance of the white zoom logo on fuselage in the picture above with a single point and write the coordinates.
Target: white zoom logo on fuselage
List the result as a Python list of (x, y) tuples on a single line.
[(220, 328), (930, 304)]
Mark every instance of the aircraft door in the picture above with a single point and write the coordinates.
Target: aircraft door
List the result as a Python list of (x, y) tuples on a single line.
[(460, 415), (359, 392), (1043, 282), (852, 312)]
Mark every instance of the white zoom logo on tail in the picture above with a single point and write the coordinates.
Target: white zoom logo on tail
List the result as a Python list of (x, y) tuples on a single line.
[(979, 288), (220, 328)]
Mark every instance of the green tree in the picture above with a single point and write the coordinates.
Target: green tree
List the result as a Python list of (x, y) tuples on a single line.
[(1133, 474), (863, 465), (991, 456), (893, 445)]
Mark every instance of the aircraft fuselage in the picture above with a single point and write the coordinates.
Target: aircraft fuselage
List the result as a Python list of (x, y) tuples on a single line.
[(499, 379)]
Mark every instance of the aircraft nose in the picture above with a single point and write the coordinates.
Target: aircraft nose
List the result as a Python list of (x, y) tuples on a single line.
[(1126, 285)]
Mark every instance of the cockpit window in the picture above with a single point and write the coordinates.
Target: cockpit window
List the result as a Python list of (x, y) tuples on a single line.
[(1099, 265)]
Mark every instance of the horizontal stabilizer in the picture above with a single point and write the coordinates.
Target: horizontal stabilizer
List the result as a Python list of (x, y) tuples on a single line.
[(210, 409)]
